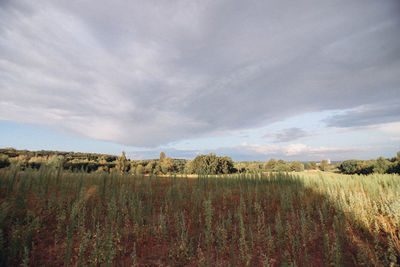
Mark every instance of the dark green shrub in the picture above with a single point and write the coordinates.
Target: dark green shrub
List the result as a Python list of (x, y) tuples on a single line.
[(4, 161)]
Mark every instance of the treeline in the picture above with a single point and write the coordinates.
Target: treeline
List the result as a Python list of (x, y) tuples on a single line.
[(89, 162), (380, 165), (202, 164), (273, 165), (57, 159)]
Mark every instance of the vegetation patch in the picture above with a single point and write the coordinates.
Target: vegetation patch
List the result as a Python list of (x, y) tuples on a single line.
[(50, 217)]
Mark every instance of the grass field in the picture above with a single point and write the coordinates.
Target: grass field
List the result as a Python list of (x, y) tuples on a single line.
[(54, 218)]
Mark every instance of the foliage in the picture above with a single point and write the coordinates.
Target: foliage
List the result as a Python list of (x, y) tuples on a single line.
[(307, 166), (4, 161), (296, 166), (394, 168), (365, 167), (313, 164), (166, 165), (323, 166), (162, 156), (140, 170), (380, 165), (210, 164), (348, 166), (122, 163), (282, 166), (270, 165)]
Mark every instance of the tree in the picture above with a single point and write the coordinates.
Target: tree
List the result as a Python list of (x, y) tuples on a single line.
[(313, 164), (157, 169), (4, 161), (270, 165), (307, 166), (381, 165), (132, 169), (57, 162), (296, 166), (189, 167), (179, 165), (122, 163), (162, 156), (210, 164), (394, 168), (348, 166), (364, 167), (139, 170), (167, 165), (323, 166), (150, 166), (282, 166)]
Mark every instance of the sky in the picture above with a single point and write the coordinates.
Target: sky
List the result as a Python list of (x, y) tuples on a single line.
[(297, 80)]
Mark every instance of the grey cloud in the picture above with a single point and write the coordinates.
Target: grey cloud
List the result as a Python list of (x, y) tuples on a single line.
[(288, 134), (146, 73), (367, 115)]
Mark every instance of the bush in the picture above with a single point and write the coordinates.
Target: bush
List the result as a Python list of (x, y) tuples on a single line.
[(282, 167), (394, 168), (4, 161), (348, 166), (381, 166), (296, 166), (210, 164), (365, 167)]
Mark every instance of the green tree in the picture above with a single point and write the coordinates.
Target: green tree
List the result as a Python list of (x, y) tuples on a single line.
[(296, 166), (57, 162), (157, 169), (307, 166), (313, 164), (348, 166), (162, 156), (364, 167), (132, 169), (122, 163), (140, 170), (323, 166), (394, 168), (282, 166), (167, 165), (150, 166), (189, 167), (381, 165), (210, 164), (4, 161), (270, 165)]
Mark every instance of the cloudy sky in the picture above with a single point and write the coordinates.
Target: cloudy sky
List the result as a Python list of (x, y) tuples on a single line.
[(306, 80)]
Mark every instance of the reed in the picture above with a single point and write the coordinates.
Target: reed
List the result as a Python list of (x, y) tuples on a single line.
[(49, 217)]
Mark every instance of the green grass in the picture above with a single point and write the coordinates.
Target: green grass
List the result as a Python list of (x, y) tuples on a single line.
[(62, 218)]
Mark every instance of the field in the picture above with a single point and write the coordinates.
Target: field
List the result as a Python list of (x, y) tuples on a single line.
[(50, 217)]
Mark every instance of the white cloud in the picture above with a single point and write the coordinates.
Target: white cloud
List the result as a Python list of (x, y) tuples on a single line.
[(296, 149), (390, 128)]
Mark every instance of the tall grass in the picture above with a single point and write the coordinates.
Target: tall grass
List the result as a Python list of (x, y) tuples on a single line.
[(49, 217)]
